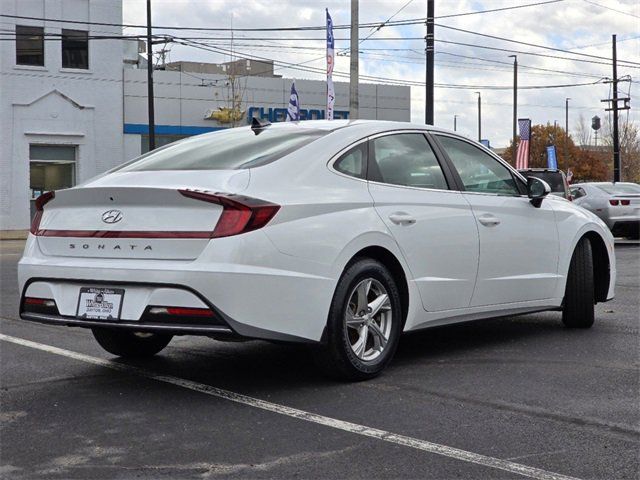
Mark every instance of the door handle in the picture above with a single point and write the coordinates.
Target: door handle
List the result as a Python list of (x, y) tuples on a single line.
[(489, 220), (401, 218)]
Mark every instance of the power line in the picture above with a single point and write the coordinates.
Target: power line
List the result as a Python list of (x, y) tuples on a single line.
[(612, 9), (394, 80), (499, 9), (531, 44)]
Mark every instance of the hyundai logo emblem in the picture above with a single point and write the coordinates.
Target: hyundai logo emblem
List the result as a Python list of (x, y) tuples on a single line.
[(112, 216)]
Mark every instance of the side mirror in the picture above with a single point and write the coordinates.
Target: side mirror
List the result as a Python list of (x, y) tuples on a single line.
[(537, 189)]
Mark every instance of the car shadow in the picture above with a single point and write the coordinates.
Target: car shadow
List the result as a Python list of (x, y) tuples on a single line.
[(261, 368)]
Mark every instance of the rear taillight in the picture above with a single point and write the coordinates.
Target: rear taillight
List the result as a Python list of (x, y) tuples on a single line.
[(614, 202), (40, 305), (41, 201), (625, 202), (181, 311), (239, 214)]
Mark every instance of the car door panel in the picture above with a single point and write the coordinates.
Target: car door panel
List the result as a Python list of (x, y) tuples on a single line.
[(519, 243), (434, 228)]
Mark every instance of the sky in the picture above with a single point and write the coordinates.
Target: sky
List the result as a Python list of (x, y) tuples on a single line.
[(582, 26)]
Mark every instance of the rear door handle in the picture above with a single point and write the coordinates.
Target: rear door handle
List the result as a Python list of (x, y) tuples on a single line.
[(489, 220), (401, 218)]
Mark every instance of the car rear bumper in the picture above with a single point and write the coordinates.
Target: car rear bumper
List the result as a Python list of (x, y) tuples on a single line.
[(209, 330), (253, 299)]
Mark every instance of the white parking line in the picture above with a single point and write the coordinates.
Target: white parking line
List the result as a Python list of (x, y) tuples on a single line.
[(363, 430)]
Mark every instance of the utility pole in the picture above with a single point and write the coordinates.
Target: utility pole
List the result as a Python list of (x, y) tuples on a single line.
[(428, 110), (455, 123), (479, 118), (152, 121), (354, 73), (617, 162), (515, 106), (566, 130)]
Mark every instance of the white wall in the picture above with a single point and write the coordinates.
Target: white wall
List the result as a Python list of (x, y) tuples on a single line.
[(52, 105)]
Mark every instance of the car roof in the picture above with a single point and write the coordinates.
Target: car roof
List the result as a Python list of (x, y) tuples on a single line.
[(373, 125)]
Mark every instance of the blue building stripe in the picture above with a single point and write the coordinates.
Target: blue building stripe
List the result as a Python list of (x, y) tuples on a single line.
[(143, 129)]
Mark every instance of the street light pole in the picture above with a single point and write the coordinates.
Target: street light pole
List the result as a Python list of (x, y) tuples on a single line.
[(354, 74), (566, 130), (479, 117), (455, 123), (152, 121), (515, 105)]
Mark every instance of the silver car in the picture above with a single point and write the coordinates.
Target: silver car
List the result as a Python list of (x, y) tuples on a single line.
[(617, 204)]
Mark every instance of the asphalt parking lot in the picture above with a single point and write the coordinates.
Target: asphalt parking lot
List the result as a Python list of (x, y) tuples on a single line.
[(515, 397)]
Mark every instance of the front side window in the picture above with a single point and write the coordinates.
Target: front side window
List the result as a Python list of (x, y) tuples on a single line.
[(75, 49), (479, 171), (29, 45), (232, 149), (405, 159), (353, 162)]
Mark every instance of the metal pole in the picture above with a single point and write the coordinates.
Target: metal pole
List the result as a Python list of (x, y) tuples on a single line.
[(152, 121), (566, 131), (354, 73), (479, 117), (515, 105), (430, 56), (455, 123), (616, 139)]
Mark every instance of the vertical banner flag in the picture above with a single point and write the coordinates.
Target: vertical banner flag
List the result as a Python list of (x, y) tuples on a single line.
[(569, 175), (552, 160), (293, 111), (522, 158), (331, 96)]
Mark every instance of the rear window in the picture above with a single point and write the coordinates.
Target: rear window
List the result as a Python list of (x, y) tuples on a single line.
[(233, 149), (554, 179), (620, 188)]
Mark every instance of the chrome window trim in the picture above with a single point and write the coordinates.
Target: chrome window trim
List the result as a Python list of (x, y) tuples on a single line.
[(336, 157)]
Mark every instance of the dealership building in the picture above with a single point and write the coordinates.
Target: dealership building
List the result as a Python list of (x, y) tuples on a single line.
[(72, 107)]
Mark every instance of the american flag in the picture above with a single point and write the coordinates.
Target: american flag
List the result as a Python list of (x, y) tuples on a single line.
[(522, 158)]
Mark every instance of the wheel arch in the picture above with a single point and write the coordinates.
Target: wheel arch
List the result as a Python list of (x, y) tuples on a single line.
[(391, 262), (601, 264)]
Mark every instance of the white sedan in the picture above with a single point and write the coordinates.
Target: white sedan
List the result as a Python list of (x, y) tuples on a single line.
[(339, 234)]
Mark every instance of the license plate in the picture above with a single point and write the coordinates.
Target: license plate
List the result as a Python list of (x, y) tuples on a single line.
[(100, 303)]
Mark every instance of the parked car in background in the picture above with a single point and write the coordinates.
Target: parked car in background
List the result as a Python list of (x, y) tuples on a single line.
[(556, 179), (341, 234), (617, 204)]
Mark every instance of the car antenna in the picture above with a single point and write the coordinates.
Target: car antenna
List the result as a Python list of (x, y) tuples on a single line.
[(257, 126)]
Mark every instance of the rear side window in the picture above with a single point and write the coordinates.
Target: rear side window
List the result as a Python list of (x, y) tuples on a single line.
[(405, 159), (353, 162), (478, 170), (578, 192), (232, 149)]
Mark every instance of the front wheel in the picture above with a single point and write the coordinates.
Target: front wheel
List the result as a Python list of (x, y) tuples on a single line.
[(579, 297), (364, 324), (131, 344)]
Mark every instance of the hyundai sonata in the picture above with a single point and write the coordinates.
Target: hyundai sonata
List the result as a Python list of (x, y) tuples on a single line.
[(334, 233)]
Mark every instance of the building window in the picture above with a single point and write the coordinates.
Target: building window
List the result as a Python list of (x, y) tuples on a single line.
[(51, 167), (75, 49), (29, 45)]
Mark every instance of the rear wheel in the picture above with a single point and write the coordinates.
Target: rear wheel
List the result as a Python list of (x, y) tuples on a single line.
[(579, 297), (364, 324), (131, 344)]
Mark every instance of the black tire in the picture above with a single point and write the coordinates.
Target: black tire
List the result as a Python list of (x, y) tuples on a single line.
[(131, 344), (336, 356), (579, 297)]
